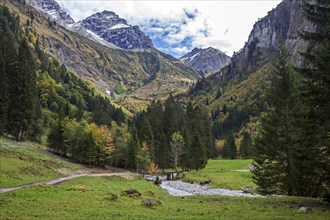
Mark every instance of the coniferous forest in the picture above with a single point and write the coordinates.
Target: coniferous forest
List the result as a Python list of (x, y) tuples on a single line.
[(41, 100)]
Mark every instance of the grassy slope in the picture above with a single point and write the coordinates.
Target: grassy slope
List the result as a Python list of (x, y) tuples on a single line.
[(86, 198), (22, 163), (222, 174)]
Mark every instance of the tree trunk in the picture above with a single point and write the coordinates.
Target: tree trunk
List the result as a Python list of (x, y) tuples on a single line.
[(19, 134)]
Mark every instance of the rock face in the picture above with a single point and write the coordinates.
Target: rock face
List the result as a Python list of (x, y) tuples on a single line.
[(115, 30), (281, 26), (53, 10), (206, 60), (104, 27)]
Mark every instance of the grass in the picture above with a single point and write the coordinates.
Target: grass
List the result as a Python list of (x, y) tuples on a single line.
[(223, 174), (22, 163), (87, 198)]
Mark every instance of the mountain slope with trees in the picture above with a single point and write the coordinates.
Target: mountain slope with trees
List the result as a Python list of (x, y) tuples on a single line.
[(142, 72)]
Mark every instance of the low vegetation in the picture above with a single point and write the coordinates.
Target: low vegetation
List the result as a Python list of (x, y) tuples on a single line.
[(22, 163), (228, 174), (92, 201)]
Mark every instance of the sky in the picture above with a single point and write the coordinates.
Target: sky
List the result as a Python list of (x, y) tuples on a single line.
[(178, 26)]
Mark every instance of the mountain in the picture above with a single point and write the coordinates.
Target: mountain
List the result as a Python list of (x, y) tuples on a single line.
[(54, 10), (239, 88), (206, 60), (142, 75), (281, 26), (104, 27), (115, 30)]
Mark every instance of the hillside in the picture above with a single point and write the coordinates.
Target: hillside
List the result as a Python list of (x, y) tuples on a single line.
[(105, 67), (22, 163), (235, 96)]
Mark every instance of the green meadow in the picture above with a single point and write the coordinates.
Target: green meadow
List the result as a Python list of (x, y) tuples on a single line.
[(91, 197)]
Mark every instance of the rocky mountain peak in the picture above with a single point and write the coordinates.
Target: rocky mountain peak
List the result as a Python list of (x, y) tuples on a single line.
[(113, 29), (104, 27), (53, 10), (206, 60)]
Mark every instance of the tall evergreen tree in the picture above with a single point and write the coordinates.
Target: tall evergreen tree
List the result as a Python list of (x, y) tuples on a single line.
[(316, 94), (245, 146), (8, 66), (273, 163), (23, 96), (230, 148)]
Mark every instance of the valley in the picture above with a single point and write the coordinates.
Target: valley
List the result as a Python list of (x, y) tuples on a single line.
[(87, 106)]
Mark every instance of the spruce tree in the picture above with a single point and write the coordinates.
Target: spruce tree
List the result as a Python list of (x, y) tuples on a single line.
[(230, 147), (23, 96), (273, 161), (245, 146), (313, 134), (8, 66)]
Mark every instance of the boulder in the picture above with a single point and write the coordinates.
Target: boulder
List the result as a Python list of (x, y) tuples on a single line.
[(303, 209), (131, 193), (150, 202)]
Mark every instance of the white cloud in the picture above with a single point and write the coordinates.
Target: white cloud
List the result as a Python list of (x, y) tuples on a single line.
[(224, 25)]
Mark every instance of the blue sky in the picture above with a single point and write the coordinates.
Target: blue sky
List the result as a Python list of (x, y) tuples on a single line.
[(178, 26)]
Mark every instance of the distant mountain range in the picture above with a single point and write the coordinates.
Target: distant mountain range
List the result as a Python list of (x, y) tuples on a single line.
[(206, 60), (104, 27)]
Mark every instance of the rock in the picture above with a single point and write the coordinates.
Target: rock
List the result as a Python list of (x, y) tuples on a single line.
[(248, 189), (303, 209), (251, 167), (131, 193), (149, 202), (111, 196)]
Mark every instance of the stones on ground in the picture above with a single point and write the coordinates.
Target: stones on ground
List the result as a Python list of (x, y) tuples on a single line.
[(304, 209), (131, 193), (150, 202), (111, 196)]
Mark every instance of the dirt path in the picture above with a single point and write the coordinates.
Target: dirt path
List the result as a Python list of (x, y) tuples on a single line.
[(126, 175)]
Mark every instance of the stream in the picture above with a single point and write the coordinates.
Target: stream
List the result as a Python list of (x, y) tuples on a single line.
[(180, 188)]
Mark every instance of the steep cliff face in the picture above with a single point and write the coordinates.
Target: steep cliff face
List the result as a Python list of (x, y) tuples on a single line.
[(206, 60), (281, 26)]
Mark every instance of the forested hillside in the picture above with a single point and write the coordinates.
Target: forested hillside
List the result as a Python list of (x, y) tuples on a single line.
[(43, 101), (146, 74)]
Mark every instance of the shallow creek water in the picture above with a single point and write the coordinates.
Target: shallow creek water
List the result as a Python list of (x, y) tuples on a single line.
[(180, 188)]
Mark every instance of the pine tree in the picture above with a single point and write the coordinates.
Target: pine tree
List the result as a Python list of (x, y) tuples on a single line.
[(23, 97), (230, 148), (8, 66), (132, 151), (316, 97), (245, 146), (273, 163)]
